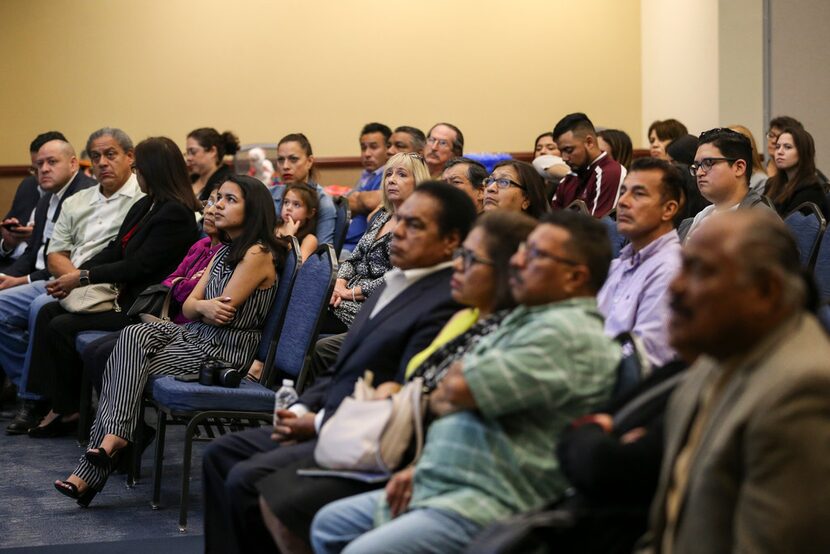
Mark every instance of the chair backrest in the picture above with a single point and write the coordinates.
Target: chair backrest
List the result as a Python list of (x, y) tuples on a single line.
[(617, 240), (633, 366), (306, 308), (806, 224), (579, 206), (341, 222), (821, 269), (273, 325)]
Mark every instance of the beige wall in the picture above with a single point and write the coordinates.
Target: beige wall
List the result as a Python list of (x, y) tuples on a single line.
[(679, 63), (265, 68)]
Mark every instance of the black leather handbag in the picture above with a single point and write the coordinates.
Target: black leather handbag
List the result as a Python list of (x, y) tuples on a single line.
[(154, 302)]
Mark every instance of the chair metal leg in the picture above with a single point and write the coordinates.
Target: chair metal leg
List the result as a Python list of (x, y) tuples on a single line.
[(159, 458), (188, 451)]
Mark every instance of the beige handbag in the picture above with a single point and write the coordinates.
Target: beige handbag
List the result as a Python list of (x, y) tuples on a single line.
[(373, 435), (92, 299)]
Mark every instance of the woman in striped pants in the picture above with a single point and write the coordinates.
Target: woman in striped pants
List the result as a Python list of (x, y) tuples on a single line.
[(228, 309)]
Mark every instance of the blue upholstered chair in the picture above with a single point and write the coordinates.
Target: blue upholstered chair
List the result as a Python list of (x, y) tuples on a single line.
[(821, 269), (289, 351), (341, 222), (617, 240), (806, 224)]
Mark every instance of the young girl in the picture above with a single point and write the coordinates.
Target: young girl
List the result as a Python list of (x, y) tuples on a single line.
[(227, 309), (298, 217)]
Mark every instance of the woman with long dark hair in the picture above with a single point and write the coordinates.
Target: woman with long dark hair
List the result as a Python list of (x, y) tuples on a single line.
[(796, 181), (155, 235), (228, 308)]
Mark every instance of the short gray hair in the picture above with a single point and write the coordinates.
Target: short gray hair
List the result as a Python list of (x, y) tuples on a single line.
[(122, 138)]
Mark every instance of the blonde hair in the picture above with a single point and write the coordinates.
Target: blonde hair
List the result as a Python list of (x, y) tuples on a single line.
[(412, 162), (757, 165)]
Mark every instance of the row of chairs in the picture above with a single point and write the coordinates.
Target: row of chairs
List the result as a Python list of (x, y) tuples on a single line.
[(290, 333)]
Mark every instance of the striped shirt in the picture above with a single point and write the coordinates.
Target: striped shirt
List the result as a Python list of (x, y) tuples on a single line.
[(598, 185)]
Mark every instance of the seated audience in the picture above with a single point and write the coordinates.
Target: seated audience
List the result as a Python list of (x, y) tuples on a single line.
[(480, 280), (515, 186), (681, 152), (362, 273), (153, 238), (87, 222), (444, 142), (661, 134), (467, 175), (205, 153), (776, 125), (298, 217), (634, 298), (17, 226), (400, 320), (758, 177), (795, 181), (745, 460), (228, 308), (365, 198), (618, 145), (596, 177), (721, 167), (295, 164), (406, 139), (500, 408)]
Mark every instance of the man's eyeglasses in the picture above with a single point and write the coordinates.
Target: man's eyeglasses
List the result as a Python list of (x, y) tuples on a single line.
[(469, 258), (532, 253), (442, 143), (503, 182), (706, 164)]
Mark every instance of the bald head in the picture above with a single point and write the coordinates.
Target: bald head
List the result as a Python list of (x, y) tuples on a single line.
[(740, 278), (56, 164)]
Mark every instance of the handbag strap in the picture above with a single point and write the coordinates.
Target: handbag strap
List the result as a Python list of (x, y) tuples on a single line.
[(417, 413), (165, 307)]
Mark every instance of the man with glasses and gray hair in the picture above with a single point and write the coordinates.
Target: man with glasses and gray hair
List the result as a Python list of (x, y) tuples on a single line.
[(722, 167), (444, 142)]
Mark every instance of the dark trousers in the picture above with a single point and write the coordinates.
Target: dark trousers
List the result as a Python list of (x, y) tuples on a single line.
[(232, 466), (55, 369)]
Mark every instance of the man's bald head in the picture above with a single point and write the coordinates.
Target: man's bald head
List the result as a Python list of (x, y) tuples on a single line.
[(56, 164)]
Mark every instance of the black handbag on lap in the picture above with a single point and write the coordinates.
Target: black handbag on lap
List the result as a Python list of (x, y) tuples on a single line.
[(153, 301)]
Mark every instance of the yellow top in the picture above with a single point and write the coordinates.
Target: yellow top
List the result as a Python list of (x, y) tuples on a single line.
[(458, 324)]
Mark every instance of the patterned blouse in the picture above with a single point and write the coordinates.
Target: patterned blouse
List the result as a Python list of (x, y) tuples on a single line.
[(366, 267)]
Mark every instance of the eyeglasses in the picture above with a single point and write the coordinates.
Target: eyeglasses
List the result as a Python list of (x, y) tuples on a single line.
[(533, 253), (193, 151), (413, 155), (469, 258), (772, 135), (503, 182), (706, 164), (442, 143)]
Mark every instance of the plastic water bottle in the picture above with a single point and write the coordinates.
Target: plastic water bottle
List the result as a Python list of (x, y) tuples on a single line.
[(285, 396)]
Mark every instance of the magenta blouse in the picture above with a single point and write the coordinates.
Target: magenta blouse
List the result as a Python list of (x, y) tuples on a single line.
[(197, 259)]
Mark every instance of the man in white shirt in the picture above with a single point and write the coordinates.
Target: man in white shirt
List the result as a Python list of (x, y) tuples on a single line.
[(87, 222)]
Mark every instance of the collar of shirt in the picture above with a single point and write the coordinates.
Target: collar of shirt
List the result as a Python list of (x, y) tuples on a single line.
[(367, 175), (64, 188), (128, 189), (398, 280), (589, 303), (635, 258)]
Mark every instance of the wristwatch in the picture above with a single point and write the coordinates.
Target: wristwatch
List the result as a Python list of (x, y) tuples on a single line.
[(84, 278)]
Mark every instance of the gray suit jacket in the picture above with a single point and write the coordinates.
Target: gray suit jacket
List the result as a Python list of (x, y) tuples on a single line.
[(760, 479)]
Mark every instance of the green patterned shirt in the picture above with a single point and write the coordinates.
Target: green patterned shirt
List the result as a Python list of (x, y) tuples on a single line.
[(545, 366)]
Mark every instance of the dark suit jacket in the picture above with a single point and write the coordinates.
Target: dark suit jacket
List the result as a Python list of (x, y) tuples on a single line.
[(386, 342), (158, 244), (759, 480), (25, 264), (25, 199)]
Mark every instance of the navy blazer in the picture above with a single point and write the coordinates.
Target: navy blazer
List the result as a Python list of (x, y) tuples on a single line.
[(385, 343), (161, 239), (25, 200), (25, 264)]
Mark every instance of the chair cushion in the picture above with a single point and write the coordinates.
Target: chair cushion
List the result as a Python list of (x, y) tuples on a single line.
[(179, 396), (85, 338)]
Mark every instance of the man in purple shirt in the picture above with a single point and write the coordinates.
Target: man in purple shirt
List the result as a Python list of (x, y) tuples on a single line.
[(635, 295)]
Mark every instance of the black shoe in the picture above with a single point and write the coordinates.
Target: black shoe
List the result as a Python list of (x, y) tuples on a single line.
[(99, 457), (28, 416), (53, 429), (68, 489)]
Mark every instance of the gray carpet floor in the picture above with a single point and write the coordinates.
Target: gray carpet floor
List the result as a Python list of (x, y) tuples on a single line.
[(33, 514)]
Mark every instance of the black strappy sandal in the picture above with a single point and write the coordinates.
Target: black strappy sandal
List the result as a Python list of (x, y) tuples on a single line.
[(71, 490)]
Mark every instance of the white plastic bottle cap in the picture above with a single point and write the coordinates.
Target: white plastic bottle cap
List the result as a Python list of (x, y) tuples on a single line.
[(287, 383)]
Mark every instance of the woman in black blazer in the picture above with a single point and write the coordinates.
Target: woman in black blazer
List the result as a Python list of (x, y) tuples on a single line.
[(153, 238)]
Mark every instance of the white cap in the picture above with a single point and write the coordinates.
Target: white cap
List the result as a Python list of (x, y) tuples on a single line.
[(287, 383)]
